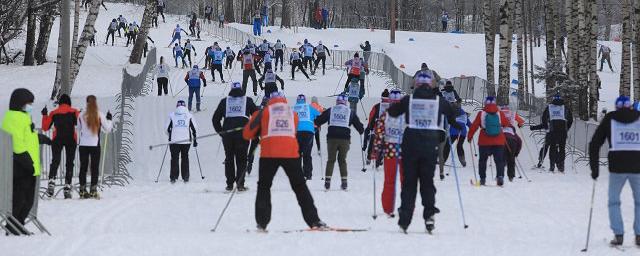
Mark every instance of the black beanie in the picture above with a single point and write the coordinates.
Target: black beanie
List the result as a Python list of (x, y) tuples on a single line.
[(385, 93)]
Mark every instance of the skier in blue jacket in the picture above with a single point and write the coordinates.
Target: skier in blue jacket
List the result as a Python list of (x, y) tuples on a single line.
[(217, 56), (306, 130)]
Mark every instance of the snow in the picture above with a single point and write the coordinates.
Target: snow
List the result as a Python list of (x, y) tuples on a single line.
[(547, 216)]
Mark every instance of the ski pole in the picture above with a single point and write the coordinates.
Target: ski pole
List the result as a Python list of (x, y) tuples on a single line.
[(185, 87), (199, 137), (104, 152), (162, 164), (455, 173), (199, 166), (593, 193), (224, 210), (364, 168), (473, 163), (375, 207), (364, 111), (340, 80)]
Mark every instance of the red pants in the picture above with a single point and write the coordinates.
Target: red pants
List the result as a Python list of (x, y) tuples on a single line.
[(389, 188)]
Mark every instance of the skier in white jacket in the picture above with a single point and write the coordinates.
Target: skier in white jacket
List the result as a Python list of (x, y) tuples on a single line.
[(181, 129), (90, 122)]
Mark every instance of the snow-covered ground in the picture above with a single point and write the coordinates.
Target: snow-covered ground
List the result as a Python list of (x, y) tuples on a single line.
[(547, 216)]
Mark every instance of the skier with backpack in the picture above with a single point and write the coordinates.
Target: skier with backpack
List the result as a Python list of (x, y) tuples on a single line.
[(491, 141), (235, 109), (620, 128), (339, 117), (321, 55), (387, 139), (182, 130), (557, 119), (424, 113), (192, 79), (305, 132)]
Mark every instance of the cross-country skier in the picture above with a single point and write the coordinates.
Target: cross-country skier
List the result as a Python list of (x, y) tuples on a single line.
[(605, 52), (424, 112), (307, 50), (122, 24), (366, 50), (221, 20), (268, 61), (235, 109), (160, 8), (355, 93), (513, 143), (355, 66), (132, 32), (181, 129), (192, 79), (491, 141), (279, 54), (387, 139), (321, 55), (295, 59), (178, 53), (251, 46), (269, 78), (217, 56), (192, 24), (176, 34), (374, 114), (162, 75), (557, 119), (208, 10), (424, 69), (449, 93), (339, 117), (230, 57), (276, 125), (306, 130), (90, 122), (188, 48), (320, 108), (248, 71), (459, 135), (64, 120), (620, 128), (257, 28), (264, 47), (111, 30)]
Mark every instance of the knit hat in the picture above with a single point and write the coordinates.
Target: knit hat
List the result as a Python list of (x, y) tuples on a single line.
[(314, 99), (423, 79), (301, 98), (490, 100), (395, 95), (356, 55), (623, 102), (385, 94), (181, 103), (557, 96), (236, 85), (341, 99)]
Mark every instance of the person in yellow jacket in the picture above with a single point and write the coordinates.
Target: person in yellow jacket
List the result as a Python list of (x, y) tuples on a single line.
[(26, 153)]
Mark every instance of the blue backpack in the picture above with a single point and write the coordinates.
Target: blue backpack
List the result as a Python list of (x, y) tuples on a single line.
[(492, 124)]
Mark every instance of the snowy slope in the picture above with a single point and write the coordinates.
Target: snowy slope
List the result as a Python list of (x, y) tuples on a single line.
[(544, 217)]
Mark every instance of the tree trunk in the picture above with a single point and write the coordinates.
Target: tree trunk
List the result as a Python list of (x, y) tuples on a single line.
[(550, 44), (141, 38), (87, 33), (594, 94), (636, 51), (31, 35), (520, 44), (504, 72), (625, 70), (228, 11), (531, 44), (76, 27), (489, 41), (286, 15), (46, 22), (57, 82)]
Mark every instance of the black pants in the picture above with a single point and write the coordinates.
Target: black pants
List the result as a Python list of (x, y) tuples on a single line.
[(268, 65), (279, 57), (297, 64), (557, 156), (179, 151), (89, 154), (444, 26), (307, 60), (163, 83), (56, 156), (217, 67), (131, 37), (320, 58), (192, 29), (122, 26), (229, 63), (160, 10), (606, 58), (154, 21), (459, 148), (187, 54), (291, 166), (543, 150), (23, 194), (511, 151), (317, 137), (418, 168), (112, 34), (235, 162), (351, 76), (246, 74), (498, 157), (305, 143)]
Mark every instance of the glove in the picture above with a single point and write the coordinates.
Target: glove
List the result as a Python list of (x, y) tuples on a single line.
[(261, 86), (520, 125), (255, 93), (44, 111), (109, 116), (368, 162), (43, 139), (595, 173), (469, 139), (457, 126), (195, 143), (364, 147), (205, 83)]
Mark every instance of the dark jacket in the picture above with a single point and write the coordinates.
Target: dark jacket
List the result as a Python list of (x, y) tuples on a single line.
[(449, 89), (619, 161), (414, 139), (270, 90), (334, 132), (232, 122), (558, 127), (366, 47), (65, 119)]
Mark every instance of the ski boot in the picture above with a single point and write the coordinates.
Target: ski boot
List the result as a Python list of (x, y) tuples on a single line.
[(343, 186), (390, 215), (552, 168), (441, 175), (638, 240), (229, 188), (83, 194), (483, 182), (173, 181), (323, 72), (186, 180), (67, 191), (510, 179), (242, 188), (403, 228), (319, 226), (617, 240), (430, 224), (327, 183), (93, 192), (500, 181), (249, 164), (51, 187), (261, 229)]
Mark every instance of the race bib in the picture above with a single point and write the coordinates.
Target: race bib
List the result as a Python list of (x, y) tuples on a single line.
[(556, 112), (270, 77), (449, 96), (354, 90), (236, 106), (340, 116), (281, 122), (394, 129), (304, 114), (625, 137), (423, 114), (383, 107)]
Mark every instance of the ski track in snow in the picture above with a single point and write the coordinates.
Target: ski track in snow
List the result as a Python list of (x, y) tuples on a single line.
[(544, 217)]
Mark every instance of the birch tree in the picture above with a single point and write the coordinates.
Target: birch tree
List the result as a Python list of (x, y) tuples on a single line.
[(636, 52), (504, 71), (490, 44), (519, 45), (145, 26), (592, 41), (44, 34), (550, 43), (625, 70)]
